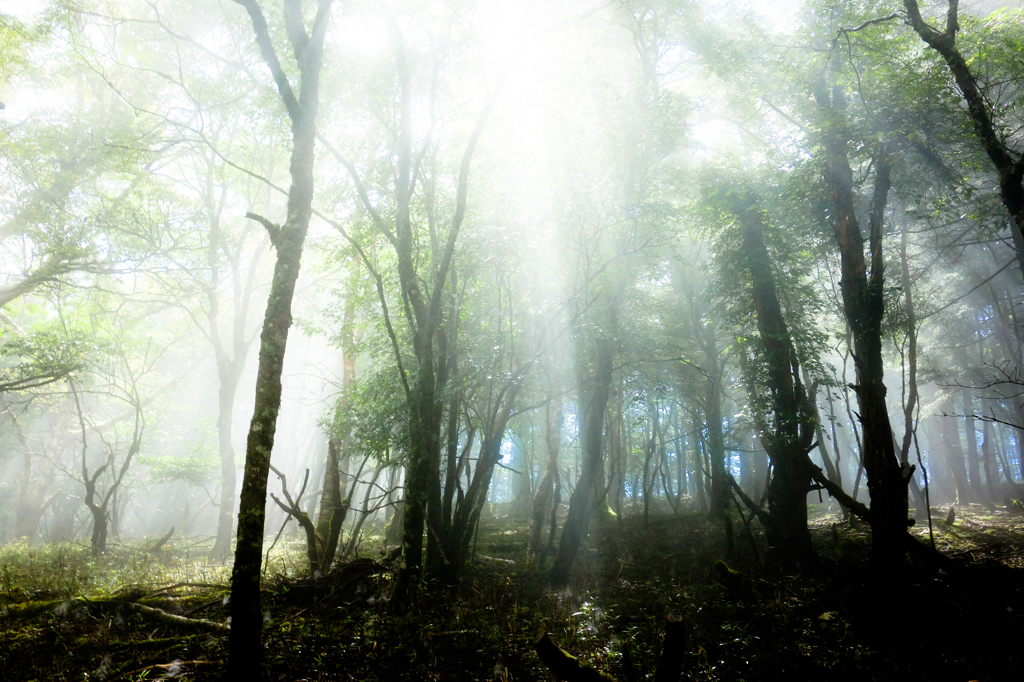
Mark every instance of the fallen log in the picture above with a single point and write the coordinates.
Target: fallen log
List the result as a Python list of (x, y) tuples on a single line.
[(159, 616), (161, 542), (173, 669), (32, 609)]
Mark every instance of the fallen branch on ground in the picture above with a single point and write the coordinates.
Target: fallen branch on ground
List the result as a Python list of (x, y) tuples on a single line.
[(161, 542), (177, 621), (165, 666)]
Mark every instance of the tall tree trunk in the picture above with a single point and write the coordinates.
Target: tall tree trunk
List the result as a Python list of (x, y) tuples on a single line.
[(699, 485), (229, 377), (988, 460), (953, 449), (973, 461), (594, 391), (864, 307), (616, 453), (423, 306), (788, 435), (719, 498), (650, 437), (542, 504), (244, 646), (229, 366), (334, 504)]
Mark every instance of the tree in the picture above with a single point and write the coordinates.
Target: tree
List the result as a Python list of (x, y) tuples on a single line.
[(99, 501), (288, 238), (788, 428), (864, 306), (594, 377), (422, 263), (1009, 163)]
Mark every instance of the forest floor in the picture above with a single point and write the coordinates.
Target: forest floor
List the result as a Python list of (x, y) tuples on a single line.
[(66, 616)]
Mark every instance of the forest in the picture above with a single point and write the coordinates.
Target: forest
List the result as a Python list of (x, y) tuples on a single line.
[(520, 340)]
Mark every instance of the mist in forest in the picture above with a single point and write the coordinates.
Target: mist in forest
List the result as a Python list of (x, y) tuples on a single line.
[(286, 287)]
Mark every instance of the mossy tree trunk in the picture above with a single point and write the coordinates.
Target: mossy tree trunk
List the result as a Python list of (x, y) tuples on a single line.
[(245, 647)]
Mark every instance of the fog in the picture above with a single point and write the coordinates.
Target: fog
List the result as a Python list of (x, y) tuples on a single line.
[(758, 261), (551, 155)]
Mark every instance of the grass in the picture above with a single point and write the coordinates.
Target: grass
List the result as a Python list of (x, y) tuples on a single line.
[(65, 570)]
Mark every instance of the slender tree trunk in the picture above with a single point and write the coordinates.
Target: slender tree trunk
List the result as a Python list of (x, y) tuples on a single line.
[(953, 449), (988, 460), (719, 498), (424, 313), (245, 646), (333, 502), (973, 461), (699, 486), (467, 514), (831, 470), (682, 454), (647, 483), (229, 377), (616, 453), (542, 504), (229, 367)]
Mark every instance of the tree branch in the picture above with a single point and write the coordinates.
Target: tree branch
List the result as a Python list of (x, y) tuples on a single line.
[(273, 229), (266, 45), (869, 22)]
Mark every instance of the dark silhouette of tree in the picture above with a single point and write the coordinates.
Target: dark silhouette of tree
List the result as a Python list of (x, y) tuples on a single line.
[(863, 292)]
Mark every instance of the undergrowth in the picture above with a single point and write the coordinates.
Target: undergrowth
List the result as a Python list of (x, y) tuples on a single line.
[(612, 615)]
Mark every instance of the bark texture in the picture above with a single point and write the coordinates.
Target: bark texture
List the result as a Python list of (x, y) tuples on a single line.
[(245, 647)]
